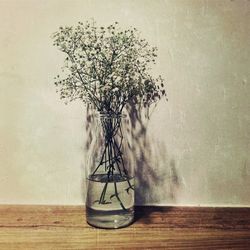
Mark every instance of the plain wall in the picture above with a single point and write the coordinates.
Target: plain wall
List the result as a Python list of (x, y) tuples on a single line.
[(199, 141)]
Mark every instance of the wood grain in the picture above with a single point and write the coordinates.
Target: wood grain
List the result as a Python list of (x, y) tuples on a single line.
[(64, 227)]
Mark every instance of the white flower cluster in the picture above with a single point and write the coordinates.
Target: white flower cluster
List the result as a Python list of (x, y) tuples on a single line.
[(107, 67)]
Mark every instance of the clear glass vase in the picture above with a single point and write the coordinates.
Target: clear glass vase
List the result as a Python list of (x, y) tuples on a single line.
[(110, 174)]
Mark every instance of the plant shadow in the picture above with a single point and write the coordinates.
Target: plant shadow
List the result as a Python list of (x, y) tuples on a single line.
[(145, 214), (157, 179), (156, 174)]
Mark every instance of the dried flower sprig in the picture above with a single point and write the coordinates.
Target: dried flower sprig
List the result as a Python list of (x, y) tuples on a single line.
[(107, 67)]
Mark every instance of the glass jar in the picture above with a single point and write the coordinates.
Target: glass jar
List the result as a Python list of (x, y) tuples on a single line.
[(110, 174)]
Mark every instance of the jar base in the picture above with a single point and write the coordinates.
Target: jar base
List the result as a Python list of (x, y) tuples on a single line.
[(109, 219)]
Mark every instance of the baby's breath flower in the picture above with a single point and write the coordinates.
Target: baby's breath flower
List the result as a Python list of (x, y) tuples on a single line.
[(107, 67)]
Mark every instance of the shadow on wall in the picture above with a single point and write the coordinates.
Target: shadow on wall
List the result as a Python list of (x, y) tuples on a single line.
[(156, 176)]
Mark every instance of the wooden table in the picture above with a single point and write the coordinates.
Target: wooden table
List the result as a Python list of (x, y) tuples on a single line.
[(64, 227)]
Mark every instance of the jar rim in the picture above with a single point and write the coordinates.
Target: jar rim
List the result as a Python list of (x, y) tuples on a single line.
[(110, 115)]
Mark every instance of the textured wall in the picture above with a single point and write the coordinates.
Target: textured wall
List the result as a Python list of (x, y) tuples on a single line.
[(198, 144)]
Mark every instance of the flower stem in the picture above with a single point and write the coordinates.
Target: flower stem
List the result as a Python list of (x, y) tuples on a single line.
[(112, 158)]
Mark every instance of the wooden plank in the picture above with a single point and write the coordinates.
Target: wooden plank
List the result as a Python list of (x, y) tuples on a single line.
[(64, 227)]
